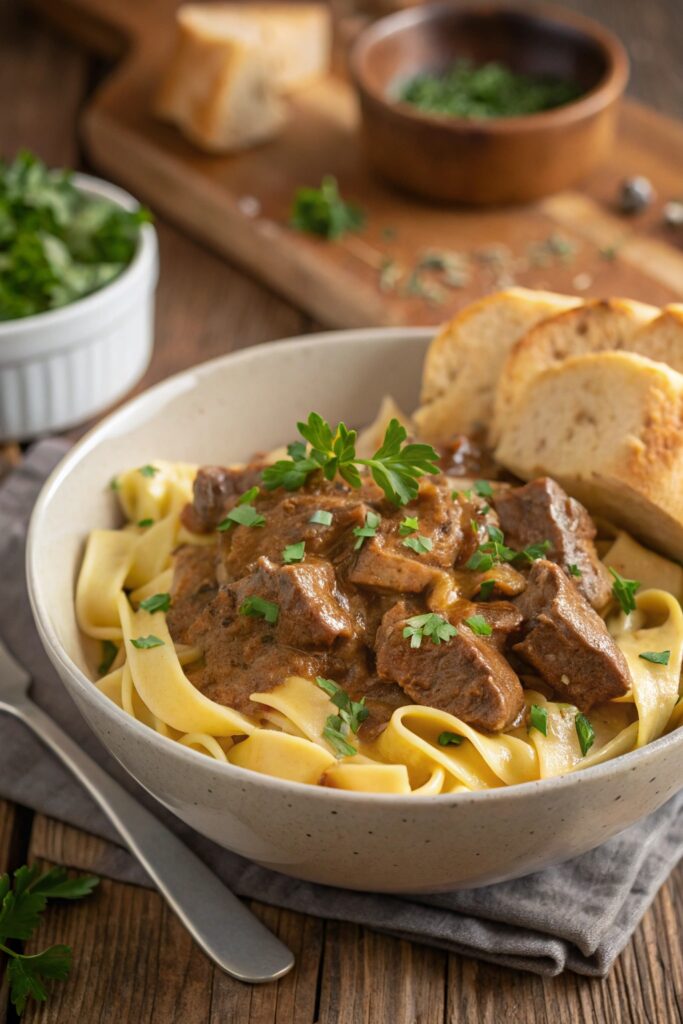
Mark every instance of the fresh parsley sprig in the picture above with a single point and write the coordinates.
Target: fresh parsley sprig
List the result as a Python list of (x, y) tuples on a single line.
[(396, 467), (350, 717), (323, 212), (22, 901)]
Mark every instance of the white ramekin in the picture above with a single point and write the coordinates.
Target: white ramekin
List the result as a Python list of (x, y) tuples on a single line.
[(61, 367)]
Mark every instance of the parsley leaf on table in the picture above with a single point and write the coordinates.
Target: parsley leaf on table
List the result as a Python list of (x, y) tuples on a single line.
[(322, 211), (22, 901)]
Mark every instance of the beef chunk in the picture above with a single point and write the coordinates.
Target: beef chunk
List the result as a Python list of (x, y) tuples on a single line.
[(194, 586), (567, 642), (540, 511), (288, 522), (242, 655), (504, 618), (215, 490), (466, 676), (385, 562), (312, 611)]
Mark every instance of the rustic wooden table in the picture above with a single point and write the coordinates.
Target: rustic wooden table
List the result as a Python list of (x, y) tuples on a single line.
[(134, 963)]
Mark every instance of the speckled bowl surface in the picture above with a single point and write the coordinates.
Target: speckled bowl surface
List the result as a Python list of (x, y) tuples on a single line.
[(220, 412)]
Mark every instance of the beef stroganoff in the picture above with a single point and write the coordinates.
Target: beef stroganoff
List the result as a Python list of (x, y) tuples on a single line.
[(371, 613)]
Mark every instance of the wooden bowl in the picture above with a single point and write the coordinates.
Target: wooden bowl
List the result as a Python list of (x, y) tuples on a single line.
[(500, 160)]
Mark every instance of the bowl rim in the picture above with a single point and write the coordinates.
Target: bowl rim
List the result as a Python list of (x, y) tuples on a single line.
[(142, 261), (606, 91), (179, 383)]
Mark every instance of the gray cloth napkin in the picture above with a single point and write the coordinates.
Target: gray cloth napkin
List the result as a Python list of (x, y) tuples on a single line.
[(578, 915)]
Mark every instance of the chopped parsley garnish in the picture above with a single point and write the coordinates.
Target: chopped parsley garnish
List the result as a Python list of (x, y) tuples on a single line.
[(109, 652), (485, 589), (535, 551), (258, 607), (148, 470), (479, 625), (431, 625), (372, 521), (294, 552), (22, 902), (156, 603), (479, 91), (624, 591), (57, 243), (321, 517), (248, 497), (395, 467), (145, 522), (322, 211), (480, 561), (466, 495), (492, 551), (585, 732), (351, 714), (483, 488), (409, 525), (656, 657), (574, 570), (538, 718), (449, 739), (242, 515), (144, 643), (420, 545)]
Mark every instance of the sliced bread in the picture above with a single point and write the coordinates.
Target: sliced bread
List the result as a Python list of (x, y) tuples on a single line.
[(661, 339), (463, 362), (609, 428), (231, 64), (597, 326)]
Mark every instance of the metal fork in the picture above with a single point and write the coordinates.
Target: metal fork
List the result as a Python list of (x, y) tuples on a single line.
[(227, 932)]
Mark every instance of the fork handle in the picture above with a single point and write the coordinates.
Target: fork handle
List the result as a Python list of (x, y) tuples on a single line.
[(224, 928)]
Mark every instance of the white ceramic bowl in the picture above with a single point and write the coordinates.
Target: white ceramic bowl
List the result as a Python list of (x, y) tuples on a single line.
[(220, 412), (63, 366)]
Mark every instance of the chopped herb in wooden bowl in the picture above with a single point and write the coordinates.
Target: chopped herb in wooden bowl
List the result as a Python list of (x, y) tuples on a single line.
[(57, 244), (485, 91)]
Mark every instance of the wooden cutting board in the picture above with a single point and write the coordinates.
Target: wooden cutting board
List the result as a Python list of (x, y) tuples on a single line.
[(574, 241)]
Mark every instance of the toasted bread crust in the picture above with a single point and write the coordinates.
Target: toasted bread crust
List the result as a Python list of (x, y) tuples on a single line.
[(608, 427), (597, 326), (464, 360)]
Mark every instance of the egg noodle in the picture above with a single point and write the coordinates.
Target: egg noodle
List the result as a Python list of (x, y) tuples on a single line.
[(123, 567)]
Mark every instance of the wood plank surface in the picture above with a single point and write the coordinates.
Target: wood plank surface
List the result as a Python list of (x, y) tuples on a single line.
[(133, 962), (340, 283)]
